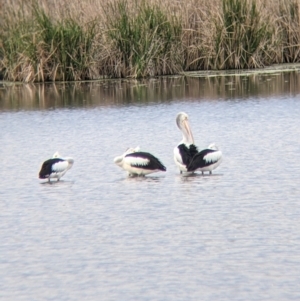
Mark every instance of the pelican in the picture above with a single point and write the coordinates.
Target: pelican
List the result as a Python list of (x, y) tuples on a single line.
[(138, 163), (186, 155), (55, 167)]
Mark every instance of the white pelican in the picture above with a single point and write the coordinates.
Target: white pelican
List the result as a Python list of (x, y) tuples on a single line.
[(186, 155), (138, 163), (55, 167)]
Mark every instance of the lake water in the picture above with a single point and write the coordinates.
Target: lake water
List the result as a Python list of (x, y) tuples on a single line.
[(99, 235)]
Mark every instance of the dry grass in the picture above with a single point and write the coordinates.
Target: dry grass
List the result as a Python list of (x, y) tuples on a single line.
[(51, 40)]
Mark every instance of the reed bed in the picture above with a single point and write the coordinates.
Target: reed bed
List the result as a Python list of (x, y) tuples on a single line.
[(51, 40)]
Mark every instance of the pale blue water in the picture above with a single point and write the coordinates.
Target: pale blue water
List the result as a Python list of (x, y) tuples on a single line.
[(98, 235)]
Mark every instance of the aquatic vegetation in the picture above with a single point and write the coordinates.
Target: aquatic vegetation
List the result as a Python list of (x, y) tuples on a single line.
[(42, 49), (145, 38), (288, 22), (65, 48), (243, 36), (82, 40)]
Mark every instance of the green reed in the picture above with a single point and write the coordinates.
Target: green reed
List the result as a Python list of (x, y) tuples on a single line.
[(242, 36), (78, 40), (145, 38), (38, 48), (66, 48), (289, 23), (17, 51)]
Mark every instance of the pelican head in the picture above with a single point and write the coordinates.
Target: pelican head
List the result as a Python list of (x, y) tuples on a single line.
[(182, 121)]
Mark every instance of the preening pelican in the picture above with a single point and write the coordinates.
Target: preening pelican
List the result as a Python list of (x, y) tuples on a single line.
[(186, 155), (55, 167), (138, 163)]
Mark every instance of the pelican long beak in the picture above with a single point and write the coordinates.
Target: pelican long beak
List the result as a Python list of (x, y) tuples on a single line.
[(188, 131)]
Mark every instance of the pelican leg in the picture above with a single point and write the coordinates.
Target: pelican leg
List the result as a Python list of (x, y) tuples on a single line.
[(181, 172), (202, 172), (210, 172)]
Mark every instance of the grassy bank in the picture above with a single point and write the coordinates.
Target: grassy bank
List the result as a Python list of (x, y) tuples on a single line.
[(50, 40)]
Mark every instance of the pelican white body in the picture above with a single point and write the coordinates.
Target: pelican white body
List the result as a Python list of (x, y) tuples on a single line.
[(55, 167), (186, 155), (139, 163)]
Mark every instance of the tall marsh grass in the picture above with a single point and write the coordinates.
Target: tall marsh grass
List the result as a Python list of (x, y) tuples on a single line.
[(289, 23), (39, 48), (243, 36), (50, 40), (145, 39)]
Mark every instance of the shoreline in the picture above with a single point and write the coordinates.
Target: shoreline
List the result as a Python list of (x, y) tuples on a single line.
[(275, 68), (272, 69)]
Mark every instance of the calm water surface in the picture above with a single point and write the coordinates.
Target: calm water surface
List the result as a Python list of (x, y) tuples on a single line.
[(98, 235)]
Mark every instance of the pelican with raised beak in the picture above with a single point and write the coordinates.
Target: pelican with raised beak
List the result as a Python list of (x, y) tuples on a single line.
[(186, 154)]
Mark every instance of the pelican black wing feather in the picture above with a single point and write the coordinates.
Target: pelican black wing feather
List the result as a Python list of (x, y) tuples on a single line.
[(46, 168), (198, 160), (153, 162), (187, 153)]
